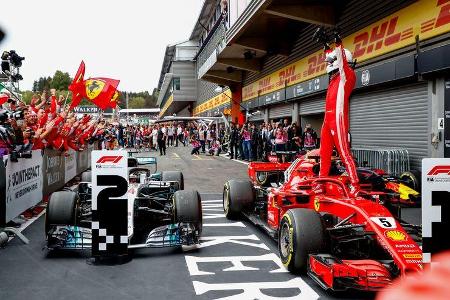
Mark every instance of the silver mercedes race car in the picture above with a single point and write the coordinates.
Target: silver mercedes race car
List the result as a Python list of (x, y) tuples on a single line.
[(160, 212)]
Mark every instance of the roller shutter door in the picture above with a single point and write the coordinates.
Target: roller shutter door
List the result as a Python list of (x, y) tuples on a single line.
[(313, 105), (280, 111), (396, 117)]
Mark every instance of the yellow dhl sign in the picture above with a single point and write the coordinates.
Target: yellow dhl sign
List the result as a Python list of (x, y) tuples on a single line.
[(212, 103), (166, 106), (425, 18)]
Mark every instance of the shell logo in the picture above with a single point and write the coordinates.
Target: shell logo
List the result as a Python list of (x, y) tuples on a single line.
[(396, 236)]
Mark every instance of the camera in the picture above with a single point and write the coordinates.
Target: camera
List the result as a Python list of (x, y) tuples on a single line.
[(11, 62), (15, 155), (15, 59)]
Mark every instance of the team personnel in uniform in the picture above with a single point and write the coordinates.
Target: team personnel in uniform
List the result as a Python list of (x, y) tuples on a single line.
[(336, 123)]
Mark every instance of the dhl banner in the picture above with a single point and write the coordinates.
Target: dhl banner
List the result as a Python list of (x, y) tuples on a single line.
[(221, 99), (166, 106), (425, 18)]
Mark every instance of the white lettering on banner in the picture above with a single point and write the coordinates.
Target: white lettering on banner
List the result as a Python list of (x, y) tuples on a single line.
[(217, 240), (254, 290), (53, 169), (236, 261), (53, 177), (70, 166), (24, 182), (53, 162)]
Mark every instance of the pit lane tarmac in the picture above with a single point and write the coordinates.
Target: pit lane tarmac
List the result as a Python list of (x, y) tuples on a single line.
[(235, 260)]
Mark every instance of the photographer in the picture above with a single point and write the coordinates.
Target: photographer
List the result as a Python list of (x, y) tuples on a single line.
[(7, 138)]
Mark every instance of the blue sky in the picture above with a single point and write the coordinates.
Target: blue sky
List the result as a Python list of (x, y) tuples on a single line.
[(125, 40)]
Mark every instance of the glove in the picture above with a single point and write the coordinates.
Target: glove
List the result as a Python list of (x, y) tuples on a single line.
[(337, 36), (320, 36)]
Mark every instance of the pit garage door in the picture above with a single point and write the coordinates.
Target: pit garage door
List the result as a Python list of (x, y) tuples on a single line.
[(280, 111), (313, 105), (396, 117)]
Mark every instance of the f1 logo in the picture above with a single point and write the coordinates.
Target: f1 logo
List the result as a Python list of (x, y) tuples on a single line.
[(107, 159), (439, 170)]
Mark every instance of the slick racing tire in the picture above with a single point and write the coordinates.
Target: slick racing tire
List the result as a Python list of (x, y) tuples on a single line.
[(237, 196), (300, 233), (187, 207), (174, 176), (86, 176), (412, 179), (61, 209)]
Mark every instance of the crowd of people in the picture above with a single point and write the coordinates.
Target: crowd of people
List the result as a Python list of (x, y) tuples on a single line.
[(249, 141), (159, 136), (254, 142), (45, 123)]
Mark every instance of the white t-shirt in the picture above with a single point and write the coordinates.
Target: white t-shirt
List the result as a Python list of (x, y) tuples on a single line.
[(179, 130), (201, 135), (170, 131)]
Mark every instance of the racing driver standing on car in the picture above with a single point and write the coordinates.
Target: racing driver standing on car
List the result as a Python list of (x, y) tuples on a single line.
[(336, 123)]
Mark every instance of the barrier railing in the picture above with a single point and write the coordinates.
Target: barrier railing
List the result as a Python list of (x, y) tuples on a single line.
[(392, 160), (24, 183)]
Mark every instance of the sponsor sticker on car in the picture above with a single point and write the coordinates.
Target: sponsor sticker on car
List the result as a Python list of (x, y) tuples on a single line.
[(385, 222), (413, 255), (396, 235)]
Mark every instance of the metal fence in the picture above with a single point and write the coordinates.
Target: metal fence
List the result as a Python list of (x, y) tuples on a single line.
[(393, 160)]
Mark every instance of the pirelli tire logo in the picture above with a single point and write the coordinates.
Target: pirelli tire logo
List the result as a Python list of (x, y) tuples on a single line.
[(439, 173), (108, 161)]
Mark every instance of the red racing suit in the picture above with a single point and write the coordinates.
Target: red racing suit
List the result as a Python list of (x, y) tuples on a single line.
[(336, 123)]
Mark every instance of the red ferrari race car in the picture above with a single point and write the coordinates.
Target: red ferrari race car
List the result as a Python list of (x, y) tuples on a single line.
[(405, 187), (342, 242)]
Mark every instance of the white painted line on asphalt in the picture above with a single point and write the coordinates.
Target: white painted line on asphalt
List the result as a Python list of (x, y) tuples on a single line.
[(231, 224), (236, 160), (253, 290), (237, 262), (234, 239)]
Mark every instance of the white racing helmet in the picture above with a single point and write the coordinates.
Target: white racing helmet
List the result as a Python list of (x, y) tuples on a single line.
[(332, 61)]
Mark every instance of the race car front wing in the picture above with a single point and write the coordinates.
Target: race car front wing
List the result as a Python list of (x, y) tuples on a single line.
[(80, 238)]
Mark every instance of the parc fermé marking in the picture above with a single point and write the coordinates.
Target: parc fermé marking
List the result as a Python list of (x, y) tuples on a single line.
[(274, 280)]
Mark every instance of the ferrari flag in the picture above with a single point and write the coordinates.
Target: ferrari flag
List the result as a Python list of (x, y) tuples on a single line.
[(76, 87), (101, 91)]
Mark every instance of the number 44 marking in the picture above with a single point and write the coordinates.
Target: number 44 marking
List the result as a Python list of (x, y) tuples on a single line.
[(384, 222)]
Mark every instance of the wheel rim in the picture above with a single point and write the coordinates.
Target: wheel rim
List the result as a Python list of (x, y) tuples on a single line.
[(226, 201), (409, 182), (285, 240)]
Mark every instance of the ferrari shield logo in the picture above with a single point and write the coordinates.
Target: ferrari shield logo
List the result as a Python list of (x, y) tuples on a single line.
[(94, 88), (316, 204)]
